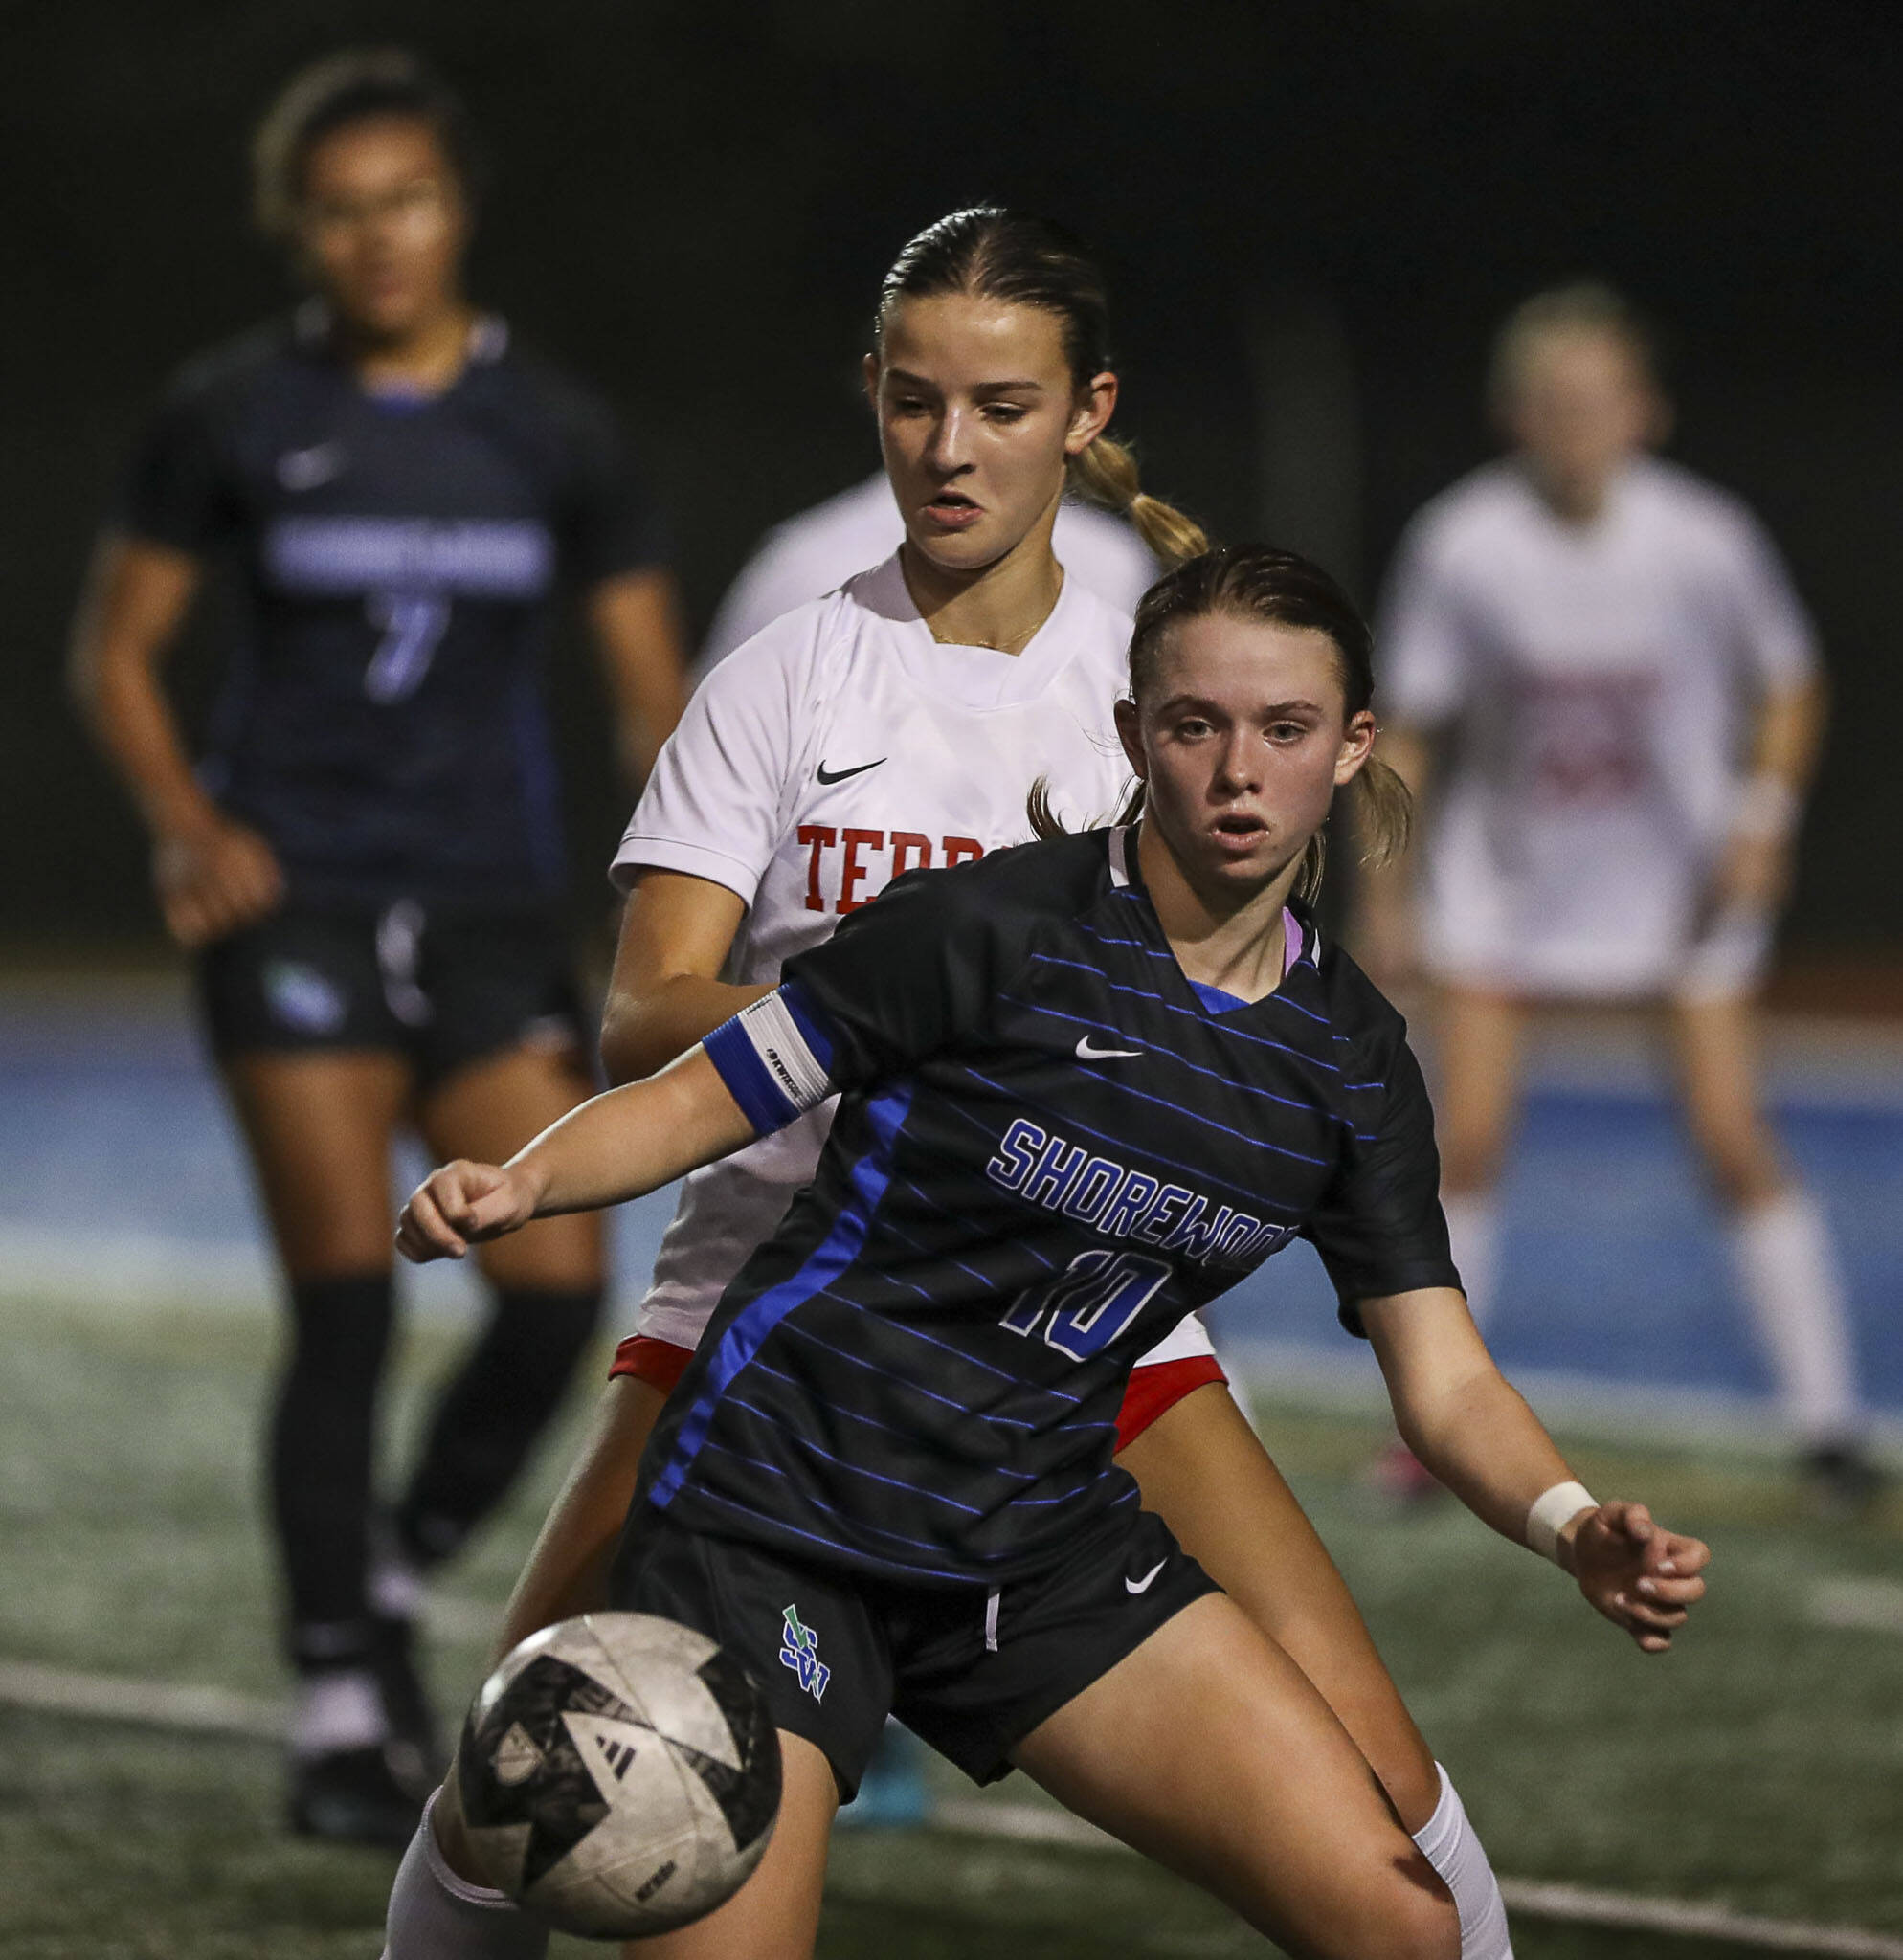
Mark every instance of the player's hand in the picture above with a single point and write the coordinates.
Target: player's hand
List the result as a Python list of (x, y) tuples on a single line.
[(215, 878), (1640, 1575), (1754, 874), (461, 1205)]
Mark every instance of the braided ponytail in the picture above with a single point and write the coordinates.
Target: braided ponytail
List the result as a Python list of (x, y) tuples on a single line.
[(1106, 475)]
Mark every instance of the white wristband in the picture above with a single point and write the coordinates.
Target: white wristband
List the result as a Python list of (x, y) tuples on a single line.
[(1766, 807), (1553, 1510)]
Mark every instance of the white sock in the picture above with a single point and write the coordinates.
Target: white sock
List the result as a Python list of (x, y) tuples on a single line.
[(1448, 1843), (435, 1915), (340, 1708), (1473, 1237), (1787, 1271)]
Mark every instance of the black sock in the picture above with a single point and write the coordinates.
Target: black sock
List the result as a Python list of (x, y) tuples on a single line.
[(322, 1452), (492, 1413)]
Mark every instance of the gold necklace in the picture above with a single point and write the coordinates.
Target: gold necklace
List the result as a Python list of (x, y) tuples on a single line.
[(1014, 643)]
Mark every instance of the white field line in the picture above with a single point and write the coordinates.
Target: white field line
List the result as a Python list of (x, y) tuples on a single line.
[(1576, 1904), (218, 1711), (1873, 1606), (1029, 1823), (205, 1710), (150, 1703), (1579, 1906)]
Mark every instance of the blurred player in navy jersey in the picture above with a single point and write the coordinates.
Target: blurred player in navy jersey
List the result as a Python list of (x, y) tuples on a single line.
[(366, 862), (1607, 654)]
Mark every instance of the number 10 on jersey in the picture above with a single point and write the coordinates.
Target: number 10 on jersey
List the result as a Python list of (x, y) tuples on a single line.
[(1090, 1303)]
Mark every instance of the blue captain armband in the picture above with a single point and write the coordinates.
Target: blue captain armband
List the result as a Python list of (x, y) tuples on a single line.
[(774, 1056)]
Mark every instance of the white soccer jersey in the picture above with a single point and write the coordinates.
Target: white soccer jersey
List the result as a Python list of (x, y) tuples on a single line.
[(1598, 681), (837, 748), (819, 549)]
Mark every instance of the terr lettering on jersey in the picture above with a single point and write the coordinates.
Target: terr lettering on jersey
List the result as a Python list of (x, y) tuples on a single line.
[(840, 877)]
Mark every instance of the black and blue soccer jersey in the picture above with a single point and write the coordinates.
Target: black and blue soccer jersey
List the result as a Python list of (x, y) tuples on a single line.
[(1051, 1147), (397, 557)]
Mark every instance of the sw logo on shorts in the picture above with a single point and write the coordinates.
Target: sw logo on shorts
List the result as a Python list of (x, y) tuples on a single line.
[(799, 1651), (302, 999)]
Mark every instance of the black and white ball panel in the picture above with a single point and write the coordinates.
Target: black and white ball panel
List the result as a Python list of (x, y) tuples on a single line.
[(620, 1775)]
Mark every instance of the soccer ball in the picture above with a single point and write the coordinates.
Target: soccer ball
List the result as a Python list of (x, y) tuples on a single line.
[(620, 1775)]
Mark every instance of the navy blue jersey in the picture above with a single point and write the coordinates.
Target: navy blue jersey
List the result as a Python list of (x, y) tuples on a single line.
[(1050, 1147), (397, 557)]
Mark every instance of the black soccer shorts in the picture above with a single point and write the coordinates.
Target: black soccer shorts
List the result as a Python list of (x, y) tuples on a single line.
[(969, 1670), (442, 988)]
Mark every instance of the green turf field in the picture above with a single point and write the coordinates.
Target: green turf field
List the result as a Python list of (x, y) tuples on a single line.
[(1760, 1766)]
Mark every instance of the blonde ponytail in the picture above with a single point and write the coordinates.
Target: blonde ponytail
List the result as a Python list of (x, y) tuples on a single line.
[(1383, 813), (1106, 475), (1383, 820)]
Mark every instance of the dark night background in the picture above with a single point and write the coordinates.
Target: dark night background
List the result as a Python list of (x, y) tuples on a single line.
[(1313, 215)]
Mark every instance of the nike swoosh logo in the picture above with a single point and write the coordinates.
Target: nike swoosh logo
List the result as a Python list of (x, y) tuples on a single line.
[(1086, 1053), (827, 775), (1142, 1585)]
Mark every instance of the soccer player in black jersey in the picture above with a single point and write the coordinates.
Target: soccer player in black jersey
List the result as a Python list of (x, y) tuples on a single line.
[(367, 862), (1087, 1084)]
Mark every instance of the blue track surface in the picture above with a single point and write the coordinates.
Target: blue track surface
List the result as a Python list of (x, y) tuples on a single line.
[(1615, 1266), (113, 1134)]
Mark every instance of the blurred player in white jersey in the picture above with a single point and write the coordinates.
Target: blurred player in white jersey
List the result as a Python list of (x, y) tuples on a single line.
[(1603, 656), (815, 552)]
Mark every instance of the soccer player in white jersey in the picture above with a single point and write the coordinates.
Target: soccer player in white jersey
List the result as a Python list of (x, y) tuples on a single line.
[(816, 552), (1613, 655), (896, 726)]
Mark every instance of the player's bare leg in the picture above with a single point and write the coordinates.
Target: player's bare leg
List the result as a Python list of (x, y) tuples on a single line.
[(1209, 1750), (775, 1914), (1204, 1471), (1715, 1047), (320, 1127), (1786, 1265)]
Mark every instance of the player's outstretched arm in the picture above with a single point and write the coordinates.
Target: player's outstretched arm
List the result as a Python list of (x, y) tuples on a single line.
[(1474, 1430), (620, 1145)]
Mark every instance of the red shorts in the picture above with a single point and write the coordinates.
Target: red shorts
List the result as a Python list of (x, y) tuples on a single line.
[(1150, 1391)]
